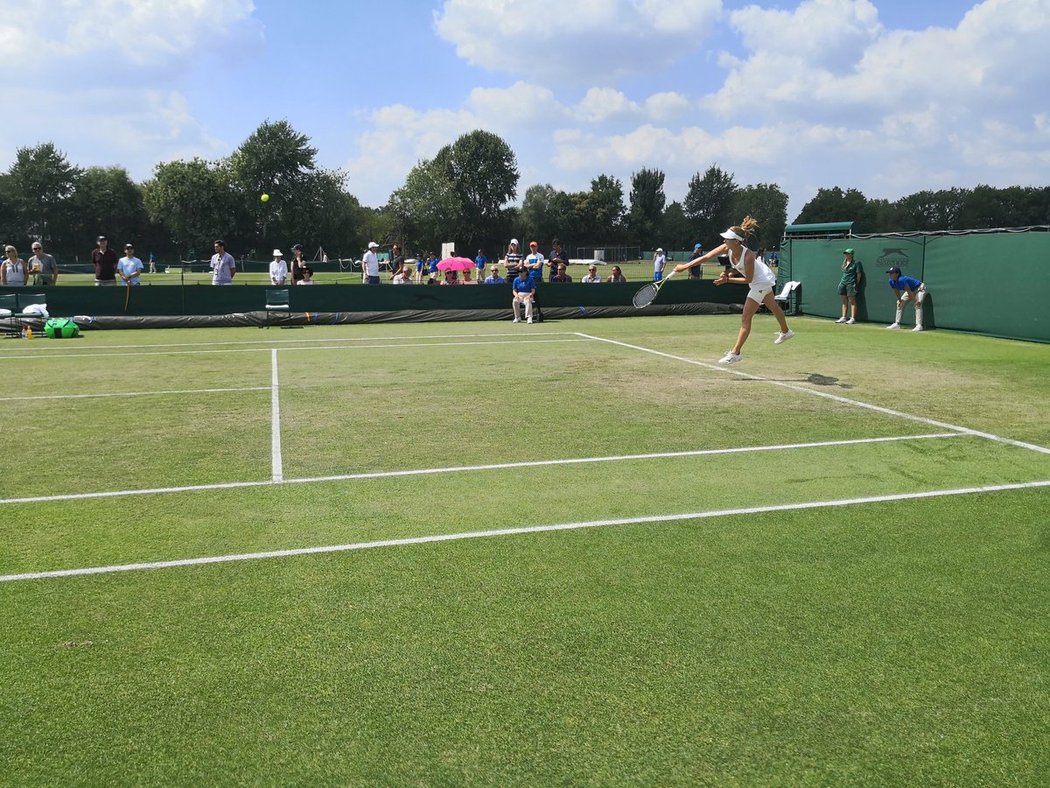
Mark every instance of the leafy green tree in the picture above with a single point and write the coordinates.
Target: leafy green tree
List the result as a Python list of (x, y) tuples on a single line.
[(675, 229), (708, 204), (767, 203), (546, 214), (647, 206), (107, 201), (483, 173), (196, 203), (599, 213), (426, 207), (38, 188), (833, 205)]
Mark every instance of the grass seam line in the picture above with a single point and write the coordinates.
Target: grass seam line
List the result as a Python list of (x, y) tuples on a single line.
[(140, 393), (517, 531), (470, 468), (834, 397)]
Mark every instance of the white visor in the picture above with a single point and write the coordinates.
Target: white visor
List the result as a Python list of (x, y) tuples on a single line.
[(730, 234)]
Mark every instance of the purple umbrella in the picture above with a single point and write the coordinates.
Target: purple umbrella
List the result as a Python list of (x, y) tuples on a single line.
[(456, 264)]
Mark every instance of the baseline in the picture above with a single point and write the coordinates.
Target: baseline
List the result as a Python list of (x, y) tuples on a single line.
[(834, 397), (530, 529), (139, 393), (470, 468)]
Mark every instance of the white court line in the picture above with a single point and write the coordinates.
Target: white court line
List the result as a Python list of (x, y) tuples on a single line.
[(141, 393), (276, 463), (471, 468), (385, 346), (44, 348), (530, 529), (834, 397)]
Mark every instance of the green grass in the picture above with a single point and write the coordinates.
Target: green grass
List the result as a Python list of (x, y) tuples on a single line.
[(884, 642)]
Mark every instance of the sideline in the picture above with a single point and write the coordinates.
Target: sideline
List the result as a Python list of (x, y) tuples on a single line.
[(139, 393), (276, 462), (469, 468), (532, 529), (834, 397)]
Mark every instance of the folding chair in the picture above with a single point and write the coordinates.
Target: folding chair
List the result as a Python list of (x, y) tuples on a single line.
[(276, 301), (788, 294), (8, 306)]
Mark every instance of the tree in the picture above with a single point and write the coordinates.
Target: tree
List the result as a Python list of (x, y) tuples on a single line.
[(675, 228), (833, 205), (647, 206), (483, 173), (599, 213), (425, 207), (107, 201), (39, 186), (767, 203), (546, 213), (194, 201), (707, 203)]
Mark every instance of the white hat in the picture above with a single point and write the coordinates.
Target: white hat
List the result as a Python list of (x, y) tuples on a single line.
[(514, 241), (659, 249), (277, 253), (373, 245), (730, 235)]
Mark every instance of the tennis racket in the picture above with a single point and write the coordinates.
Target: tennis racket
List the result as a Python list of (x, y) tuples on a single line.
[(647, 294)]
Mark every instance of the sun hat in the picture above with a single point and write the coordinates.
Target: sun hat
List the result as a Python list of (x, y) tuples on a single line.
[(278, 253)]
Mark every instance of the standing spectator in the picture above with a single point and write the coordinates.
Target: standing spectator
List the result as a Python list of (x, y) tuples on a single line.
[(397, 260), (298, 263), (906, 288), (105, 261), (129, 267), (152, 263), (494, 278), (432, 266), (223, 266), (14, 272), (513, 260), (534, 262), (592, 275), (524, 287), (659, 261), (557, 254), (616, 277), (278, 269), (480, 262), (852, 275), (697, 271), (421, 263), (561, 276), (43, 267), (370, 265)]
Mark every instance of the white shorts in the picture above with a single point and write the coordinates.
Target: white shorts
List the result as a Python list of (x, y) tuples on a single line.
[(758, 294)]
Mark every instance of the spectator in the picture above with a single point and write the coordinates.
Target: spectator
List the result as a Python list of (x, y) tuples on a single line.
[(404, 276), (104, 260), (397, 260), (152, 263), (494, 278), (513, 260), (432, 266), (450, 278), (561, 276), (223, 266), (524, 287), (298, 263), (308, 276), (370, 265), (659, 261), (480, 262), (14, 272), (468, 277), (616, 277), (43, 267), (906, 288), (278, 269), (557, 254), (697, 271), (592, 275), (755, 275), (129, 267), (534, 264), (849, 283)]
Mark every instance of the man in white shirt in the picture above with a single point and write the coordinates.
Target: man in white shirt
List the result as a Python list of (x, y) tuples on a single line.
[(592, 275), (223, 266), (278, 269), (370, 265), (129, 267)]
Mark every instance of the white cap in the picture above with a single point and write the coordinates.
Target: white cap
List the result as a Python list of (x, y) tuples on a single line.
[(514, 241), (659, 248), (277, 253), (373, 245)]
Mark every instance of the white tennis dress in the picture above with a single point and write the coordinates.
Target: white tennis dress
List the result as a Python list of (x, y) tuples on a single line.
[(763, 280)]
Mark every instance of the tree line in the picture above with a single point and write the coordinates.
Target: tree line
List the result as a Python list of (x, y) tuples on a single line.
[(465, 193)]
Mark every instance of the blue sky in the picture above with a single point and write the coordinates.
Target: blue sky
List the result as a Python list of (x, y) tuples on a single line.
[(888, 96)]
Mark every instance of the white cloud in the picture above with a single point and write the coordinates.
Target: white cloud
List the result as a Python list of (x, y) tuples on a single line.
[(583, 42)]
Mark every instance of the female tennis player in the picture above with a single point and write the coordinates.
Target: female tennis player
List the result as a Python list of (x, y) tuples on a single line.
[(752, 272)]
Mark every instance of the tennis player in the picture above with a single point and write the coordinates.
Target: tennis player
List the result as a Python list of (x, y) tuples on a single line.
[(751, 272)]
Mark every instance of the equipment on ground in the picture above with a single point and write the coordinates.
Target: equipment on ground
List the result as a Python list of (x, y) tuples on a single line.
[(61, 328)]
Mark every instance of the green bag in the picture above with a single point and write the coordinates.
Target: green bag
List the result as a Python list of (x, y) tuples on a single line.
[(61, 328)]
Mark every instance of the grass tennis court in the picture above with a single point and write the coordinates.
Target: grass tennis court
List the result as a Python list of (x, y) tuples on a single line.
[(574, 552)]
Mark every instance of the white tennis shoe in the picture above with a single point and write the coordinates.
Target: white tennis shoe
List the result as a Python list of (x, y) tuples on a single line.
[(783, 336), (850, 322), (894, 326), (917, 328), (729, 358), (841, 320)]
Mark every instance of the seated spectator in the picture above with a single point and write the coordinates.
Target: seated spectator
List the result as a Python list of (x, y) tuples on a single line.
[(308, 276), (467, 279), (494, 278), (404, 276), (562, 276), (450, 278), (592, 275), (616, 275)]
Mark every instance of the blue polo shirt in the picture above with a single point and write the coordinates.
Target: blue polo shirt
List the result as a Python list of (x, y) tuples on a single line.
[(524, 284), (905, 283), (480, 261)]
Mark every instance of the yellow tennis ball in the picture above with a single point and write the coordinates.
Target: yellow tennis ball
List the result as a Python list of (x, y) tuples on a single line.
[(265, 198)]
